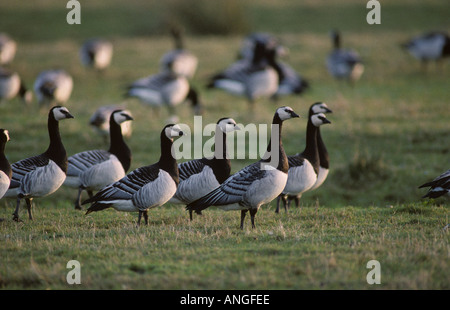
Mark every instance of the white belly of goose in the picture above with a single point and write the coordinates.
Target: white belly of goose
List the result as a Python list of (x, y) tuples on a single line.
[(4, 183), (105, 173), (263, 83), (42, 181), (261, 191), (196, 186), (300, 179), (321, 176)]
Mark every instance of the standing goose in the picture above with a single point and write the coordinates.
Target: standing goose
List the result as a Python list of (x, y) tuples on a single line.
[(8, 49), (93, 170), (256, 184), (303, 167), (96, 53), (440, 186), (253, 79), (43, 174), (165, 89), (431, 46), (100, 120), (200, 176), (53, 86), (324, 159), (11, 86), (146, 187), (179, 61), (5, 167), (342, 63)]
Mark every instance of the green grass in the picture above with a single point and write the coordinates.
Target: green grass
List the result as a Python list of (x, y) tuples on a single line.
[(389, 134)]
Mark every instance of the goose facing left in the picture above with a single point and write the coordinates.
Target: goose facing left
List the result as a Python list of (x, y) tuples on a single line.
[(439, 187), (92, 170), (5, 167), (53, 87), (256, 184), (143, 188), (43, 174)]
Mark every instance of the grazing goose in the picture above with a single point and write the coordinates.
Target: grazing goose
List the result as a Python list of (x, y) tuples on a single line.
[(11, 86), (41, 175), (253, 79), (5, 167), (165, 89), (200, 176), (146, 187), (303, 167), (179, 61), (342, 63), (256, 184), (93, 170), (431, 46), (96, 53), (440, 186), (100, 120), (8, 49), (53, 86)]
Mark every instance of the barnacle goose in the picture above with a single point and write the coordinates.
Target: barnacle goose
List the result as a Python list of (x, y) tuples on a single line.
[(431, 46), (256, 184), (324, 159), (96, 53), (248, 45), (165, 89), (8, 49), (200, 176), (53, 86), (43, 174), (303, 167), (439, 187), (11, 85), (179, 60), (290, 81), (344, 63), (92, 170), (5, 167), (253, 79), (146, 187), (100, 120)]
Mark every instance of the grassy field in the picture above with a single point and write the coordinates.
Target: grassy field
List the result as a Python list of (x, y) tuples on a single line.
[(389, 134)]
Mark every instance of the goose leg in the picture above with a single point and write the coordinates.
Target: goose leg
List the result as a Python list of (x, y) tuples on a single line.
[(278, 204), (243, 213), (16, 212), (190, 215), (297, 201), (29, 207), (285, 203), (145, 213), (78, 200), (139, 218), (252, 215)]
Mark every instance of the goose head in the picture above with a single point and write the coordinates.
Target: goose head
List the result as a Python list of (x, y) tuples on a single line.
[(172, 131), (60, 113), (227, 124), (4, 135), (121, 116), (285, 113), (319, 107), (319, 119)]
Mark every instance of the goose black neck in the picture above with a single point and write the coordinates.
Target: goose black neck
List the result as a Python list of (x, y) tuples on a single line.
[(220, 163), (56, 151), (282, 163), (167, 162), (323, 152), (311, 152), (4, 163), (117, 145), (336, 40)]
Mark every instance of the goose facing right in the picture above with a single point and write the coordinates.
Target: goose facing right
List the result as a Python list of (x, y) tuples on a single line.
[(5, 167), (256, 184), (143, 188), (43, 174), (92, 170), (439, 187)]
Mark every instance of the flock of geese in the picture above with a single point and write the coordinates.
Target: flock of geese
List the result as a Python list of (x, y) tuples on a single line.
[(199, 183)]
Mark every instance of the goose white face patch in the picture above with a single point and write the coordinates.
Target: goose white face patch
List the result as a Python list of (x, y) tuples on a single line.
[(319, 119), (121, 117), (6, 133), (320, 108), (228, 125), (174, 131), (60, 113), (285, 113)]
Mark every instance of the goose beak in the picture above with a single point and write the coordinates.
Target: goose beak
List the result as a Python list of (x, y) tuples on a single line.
[(236, 127), (293, 114), (327, 110), (68, 115), (326, 121)]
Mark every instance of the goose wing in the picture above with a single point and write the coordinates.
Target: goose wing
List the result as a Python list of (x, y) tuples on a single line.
[(83, 161), (23, 167), (232, 190), (190, 168)]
